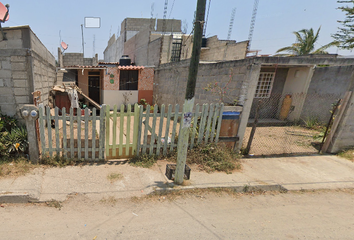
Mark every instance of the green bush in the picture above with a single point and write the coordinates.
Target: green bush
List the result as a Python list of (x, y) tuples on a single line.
[(13, 137)]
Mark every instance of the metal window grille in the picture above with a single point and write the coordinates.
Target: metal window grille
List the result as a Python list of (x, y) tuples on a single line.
[(265, 85), (176, 50)]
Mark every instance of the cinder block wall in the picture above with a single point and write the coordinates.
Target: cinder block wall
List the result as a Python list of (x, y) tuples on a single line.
[(173, 76), (71, 59), (25, 66), (328, 84)]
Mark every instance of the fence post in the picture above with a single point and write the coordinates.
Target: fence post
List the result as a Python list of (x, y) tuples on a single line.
[(30, 113)]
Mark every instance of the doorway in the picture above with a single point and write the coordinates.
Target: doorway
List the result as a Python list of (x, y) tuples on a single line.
[(94, 86)]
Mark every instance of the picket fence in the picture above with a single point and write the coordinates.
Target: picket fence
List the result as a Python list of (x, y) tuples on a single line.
[(121, 134)]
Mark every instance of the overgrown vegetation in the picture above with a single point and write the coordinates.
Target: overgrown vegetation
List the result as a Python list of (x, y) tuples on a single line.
[(143, 160), (57, 161), (13, 138), (209, 158), (348, 154)]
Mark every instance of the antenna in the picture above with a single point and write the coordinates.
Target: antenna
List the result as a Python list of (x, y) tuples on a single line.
[(94, 45), (83, 43), (4, 16), (164, 17), (231, 23), (206, 21), (152, 10), (253, 22)]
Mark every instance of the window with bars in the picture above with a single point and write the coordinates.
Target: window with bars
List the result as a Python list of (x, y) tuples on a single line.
[(265, 85), (176, 50)]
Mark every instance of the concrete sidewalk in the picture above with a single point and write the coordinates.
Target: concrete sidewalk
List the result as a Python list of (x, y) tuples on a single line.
[(291, 173)]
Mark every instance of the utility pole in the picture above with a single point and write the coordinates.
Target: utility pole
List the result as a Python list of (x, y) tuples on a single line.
[(182, 145), (83, 42)]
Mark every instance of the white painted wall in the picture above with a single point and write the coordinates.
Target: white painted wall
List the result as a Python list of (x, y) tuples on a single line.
[(115, 97), (297, 84)]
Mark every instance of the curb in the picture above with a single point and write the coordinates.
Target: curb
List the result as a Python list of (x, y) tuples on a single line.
[(17, 198), (245, 188)]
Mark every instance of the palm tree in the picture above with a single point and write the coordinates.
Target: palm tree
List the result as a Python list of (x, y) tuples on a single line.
[(305, 44)]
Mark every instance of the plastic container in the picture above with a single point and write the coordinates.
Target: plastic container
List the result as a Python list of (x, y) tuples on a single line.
[(229, 126)]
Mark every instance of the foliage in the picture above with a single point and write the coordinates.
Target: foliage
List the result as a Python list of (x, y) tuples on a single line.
[(13, 137), (144, 160), (348, 154), (211, 157), (305, 44), (312, 123), (222, 91), (345, 34), (57, 161)]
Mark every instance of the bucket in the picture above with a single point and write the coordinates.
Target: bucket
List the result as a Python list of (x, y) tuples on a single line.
[(229, 126)]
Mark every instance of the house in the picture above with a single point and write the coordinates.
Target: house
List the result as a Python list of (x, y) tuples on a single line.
[(111, 83), (314, 83), (26, 66), (151, 42)]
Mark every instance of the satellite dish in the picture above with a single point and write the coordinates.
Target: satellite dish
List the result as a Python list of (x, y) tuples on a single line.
[(4, 12), (64, 45)]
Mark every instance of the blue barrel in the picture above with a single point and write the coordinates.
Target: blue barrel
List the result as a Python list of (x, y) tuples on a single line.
[(229, 126)]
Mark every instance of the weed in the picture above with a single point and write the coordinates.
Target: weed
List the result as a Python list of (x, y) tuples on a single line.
[(54, 203), (312, 123), (110, 200), (57, 161), (347, 154), (211, 157), (114, 177), (246, 188), (145, 161)]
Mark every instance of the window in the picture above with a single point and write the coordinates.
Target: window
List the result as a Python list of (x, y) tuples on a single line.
[(128, 80), (265, 84), (176, 50)]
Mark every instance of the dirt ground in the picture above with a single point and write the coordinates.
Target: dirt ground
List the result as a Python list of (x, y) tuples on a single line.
[(282, 140), (293, 215)]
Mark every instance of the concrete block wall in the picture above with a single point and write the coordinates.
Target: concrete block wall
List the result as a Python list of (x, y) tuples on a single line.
[(26, 66), (114, 51), (174, 76), (172, 25), (344, 136), (71, 59), (223, 50), (322, 93)]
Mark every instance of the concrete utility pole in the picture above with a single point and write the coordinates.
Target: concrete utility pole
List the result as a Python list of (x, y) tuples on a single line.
[(182, 146)]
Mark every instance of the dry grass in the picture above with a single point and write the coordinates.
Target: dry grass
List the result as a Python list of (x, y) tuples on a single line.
[(15, 167), (348, 154), (197, 193)]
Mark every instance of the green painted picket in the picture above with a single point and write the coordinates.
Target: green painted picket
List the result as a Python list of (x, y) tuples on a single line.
[(65, 142), (158, 131), (124, 143), (119, 134)]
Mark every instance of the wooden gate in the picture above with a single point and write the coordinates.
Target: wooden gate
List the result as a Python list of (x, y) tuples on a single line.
[(122, 132)]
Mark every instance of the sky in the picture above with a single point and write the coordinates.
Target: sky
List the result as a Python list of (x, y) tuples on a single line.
[(275, 22)]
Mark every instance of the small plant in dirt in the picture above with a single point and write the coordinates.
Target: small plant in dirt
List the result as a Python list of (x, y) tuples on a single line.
[(57, 161), (144, 160), (312, 123), (55, 204), (211, 157), (113, 177), (347, 154)]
